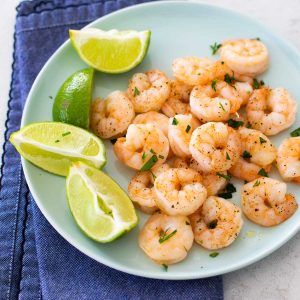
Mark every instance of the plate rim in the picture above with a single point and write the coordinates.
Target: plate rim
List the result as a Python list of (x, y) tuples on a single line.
[(164, 275)]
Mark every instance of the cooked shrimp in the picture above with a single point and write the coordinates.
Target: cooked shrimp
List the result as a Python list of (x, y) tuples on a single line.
[(271, 110), (180, 162), (157, 170), (148, 91), (179, 191), (194, 71), (212, 182), (141, 192), (111, 117), (180, 90), (179, 134), (257, 153), (240, 116), (155, 118), (244, 89), (265, 202), (144, 143), (217, 223), (245, 56), (174, 106), (215, 146), (288, 159), (166, 239), (215, 101), (243, 78)]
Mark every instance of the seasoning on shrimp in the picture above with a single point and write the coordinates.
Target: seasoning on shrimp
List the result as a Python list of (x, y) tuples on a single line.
[(148, 91), (179, 191), (211, 181), (217, 223), (288, 159), (141, 192), (271, 110), (257, 155), (180, 134), (155, 118), (245, 56), (142, 140), (166, 239), (211, 142), (265, 202), (194, 70), (111, 117), (214, 102)]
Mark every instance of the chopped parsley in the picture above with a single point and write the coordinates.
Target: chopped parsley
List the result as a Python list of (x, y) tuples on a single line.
[(256, 183), (262, 140), (258, 39), (50, 97), (213, 84), (152, 151), (187, 223), (113, 141), (227, 193), (188, 128), (227, 156), (136, 92), (144, 156), (295, 132), (66, 133), (165, 267), (150, 163), (221, 106), (248, 125), (256, 84), (227, 177), (262, 172), (215, 47), (230, 188), (57, 141), (235, 124), (246, 154), (161, 156), (164, 236), (175, 121), (229, 79), (214, 254)]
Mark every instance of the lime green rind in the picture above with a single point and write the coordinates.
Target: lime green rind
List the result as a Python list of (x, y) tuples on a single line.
[(121, 228), (139, 59), (50, 158), (73, 100)]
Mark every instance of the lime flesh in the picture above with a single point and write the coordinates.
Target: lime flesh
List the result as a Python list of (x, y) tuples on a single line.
[(53, 146), (101, 209), (73, 100), (111, 51)]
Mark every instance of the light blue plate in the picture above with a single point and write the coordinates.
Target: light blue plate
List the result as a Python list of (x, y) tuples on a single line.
[(178, 29)]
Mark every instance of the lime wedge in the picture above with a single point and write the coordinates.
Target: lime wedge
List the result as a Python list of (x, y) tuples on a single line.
[(73, 100), (111, 51), (53, 146), (102, 210)]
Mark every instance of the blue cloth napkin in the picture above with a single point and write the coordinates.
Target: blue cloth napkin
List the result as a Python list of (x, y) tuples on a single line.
[(35, 261)]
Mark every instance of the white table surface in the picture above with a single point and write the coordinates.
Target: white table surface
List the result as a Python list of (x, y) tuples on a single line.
[(278, 275)]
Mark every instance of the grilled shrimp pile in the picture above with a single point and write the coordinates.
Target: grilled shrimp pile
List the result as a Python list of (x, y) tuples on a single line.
[(186, 137)]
